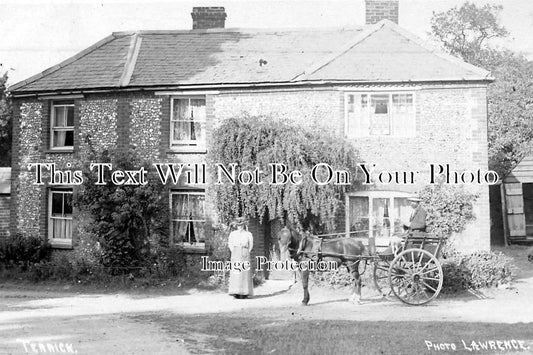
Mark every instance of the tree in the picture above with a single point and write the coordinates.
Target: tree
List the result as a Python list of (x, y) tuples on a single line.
[(466, 32), (256, 142), (6, 122), (510, 108), (124, 217)]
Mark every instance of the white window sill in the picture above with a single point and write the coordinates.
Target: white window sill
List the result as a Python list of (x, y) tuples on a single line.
[(61, 150), (187, 149), (60, 243)]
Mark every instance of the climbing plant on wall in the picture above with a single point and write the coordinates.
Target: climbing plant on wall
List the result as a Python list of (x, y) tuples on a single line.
[(124, 216), (256, 142)]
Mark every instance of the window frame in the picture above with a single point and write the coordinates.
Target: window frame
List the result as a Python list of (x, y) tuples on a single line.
[(186, 145), (59, 242), (390, 93), (53, 105), (391, 195), (187, 244)]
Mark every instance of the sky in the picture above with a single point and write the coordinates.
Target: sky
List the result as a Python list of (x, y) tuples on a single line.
[(35, 35)]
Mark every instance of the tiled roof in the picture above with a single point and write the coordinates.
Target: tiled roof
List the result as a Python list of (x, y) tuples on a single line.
[(378, 53)]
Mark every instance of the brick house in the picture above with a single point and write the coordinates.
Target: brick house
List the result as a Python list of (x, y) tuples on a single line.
[(402, 104)]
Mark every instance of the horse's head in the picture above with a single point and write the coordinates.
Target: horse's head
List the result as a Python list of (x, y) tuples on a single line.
[(284, 240)]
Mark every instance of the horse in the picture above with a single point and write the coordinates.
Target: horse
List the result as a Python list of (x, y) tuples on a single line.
[(342, 251)]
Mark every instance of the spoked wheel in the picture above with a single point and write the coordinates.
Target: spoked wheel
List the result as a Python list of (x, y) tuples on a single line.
[(415, 276), (381, 277)]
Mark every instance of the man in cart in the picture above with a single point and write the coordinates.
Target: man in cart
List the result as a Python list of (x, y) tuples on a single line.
[(417, 220), (415, 225)]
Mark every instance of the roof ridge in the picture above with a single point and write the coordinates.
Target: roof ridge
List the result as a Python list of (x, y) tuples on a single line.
[(330, 58), (131, 60), (436, 51), (408, 35), (64, 63), (239, 29), (309, 53)]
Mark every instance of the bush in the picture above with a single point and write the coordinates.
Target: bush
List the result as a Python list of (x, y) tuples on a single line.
[(123, 216), (169, 261), (335, 278), (449, 208), (476, 270), (22, 251), (218, 245)]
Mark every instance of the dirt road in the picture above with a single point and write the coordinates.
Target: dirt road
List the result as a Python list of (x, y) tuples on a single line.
[(33, 322)]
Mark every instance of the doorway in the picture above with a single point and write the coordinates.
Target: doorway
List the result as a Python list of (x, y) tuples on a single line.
[(527, 191)]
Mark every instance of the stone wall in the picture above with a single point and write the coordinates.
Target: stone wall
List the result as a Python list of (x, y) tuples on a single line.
[(145, 128), (451, 128), (450, 124), (95, 121), (28, 197), (98, 125), (316, 109)]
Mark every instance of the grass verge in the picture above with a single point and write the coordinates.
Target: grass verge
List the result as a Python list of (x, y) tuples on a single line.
[(250, 335)]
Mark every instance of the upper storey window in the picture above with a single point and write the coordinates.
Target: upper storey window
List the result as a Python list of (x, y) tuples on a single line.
[(187, 123), (62, 125), (380, 114)]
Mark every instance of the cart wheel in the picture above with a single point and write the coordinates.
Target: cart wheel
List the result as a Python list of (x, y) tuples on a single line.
[(381, 277), (415, 276)]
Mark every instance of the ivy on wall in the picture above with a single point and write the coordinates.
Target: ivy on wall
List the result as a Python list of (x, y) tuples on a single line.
[(124, 217)]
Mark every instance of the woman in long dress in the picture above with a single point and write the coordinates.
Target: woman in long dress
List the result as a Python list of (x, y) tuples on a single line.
[(240, 243)]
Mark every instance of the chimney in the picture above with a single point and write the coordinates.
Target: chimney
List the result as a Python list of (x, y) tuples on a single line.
[(377, 10), (208, 17)]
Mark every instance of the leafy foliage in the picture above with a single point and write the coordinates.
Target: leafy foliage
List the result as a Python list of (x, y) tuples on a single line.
[(449, 208), (124, 216), (169, 260), (6, 122), (338, 278), (510, 111), (219, 250), (254, 142), (476, 270), (466, 32), (22, 251)]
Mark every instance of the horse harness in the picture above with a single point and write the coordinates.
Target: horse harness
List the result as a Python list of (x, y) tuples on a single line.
[(315, 253)]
